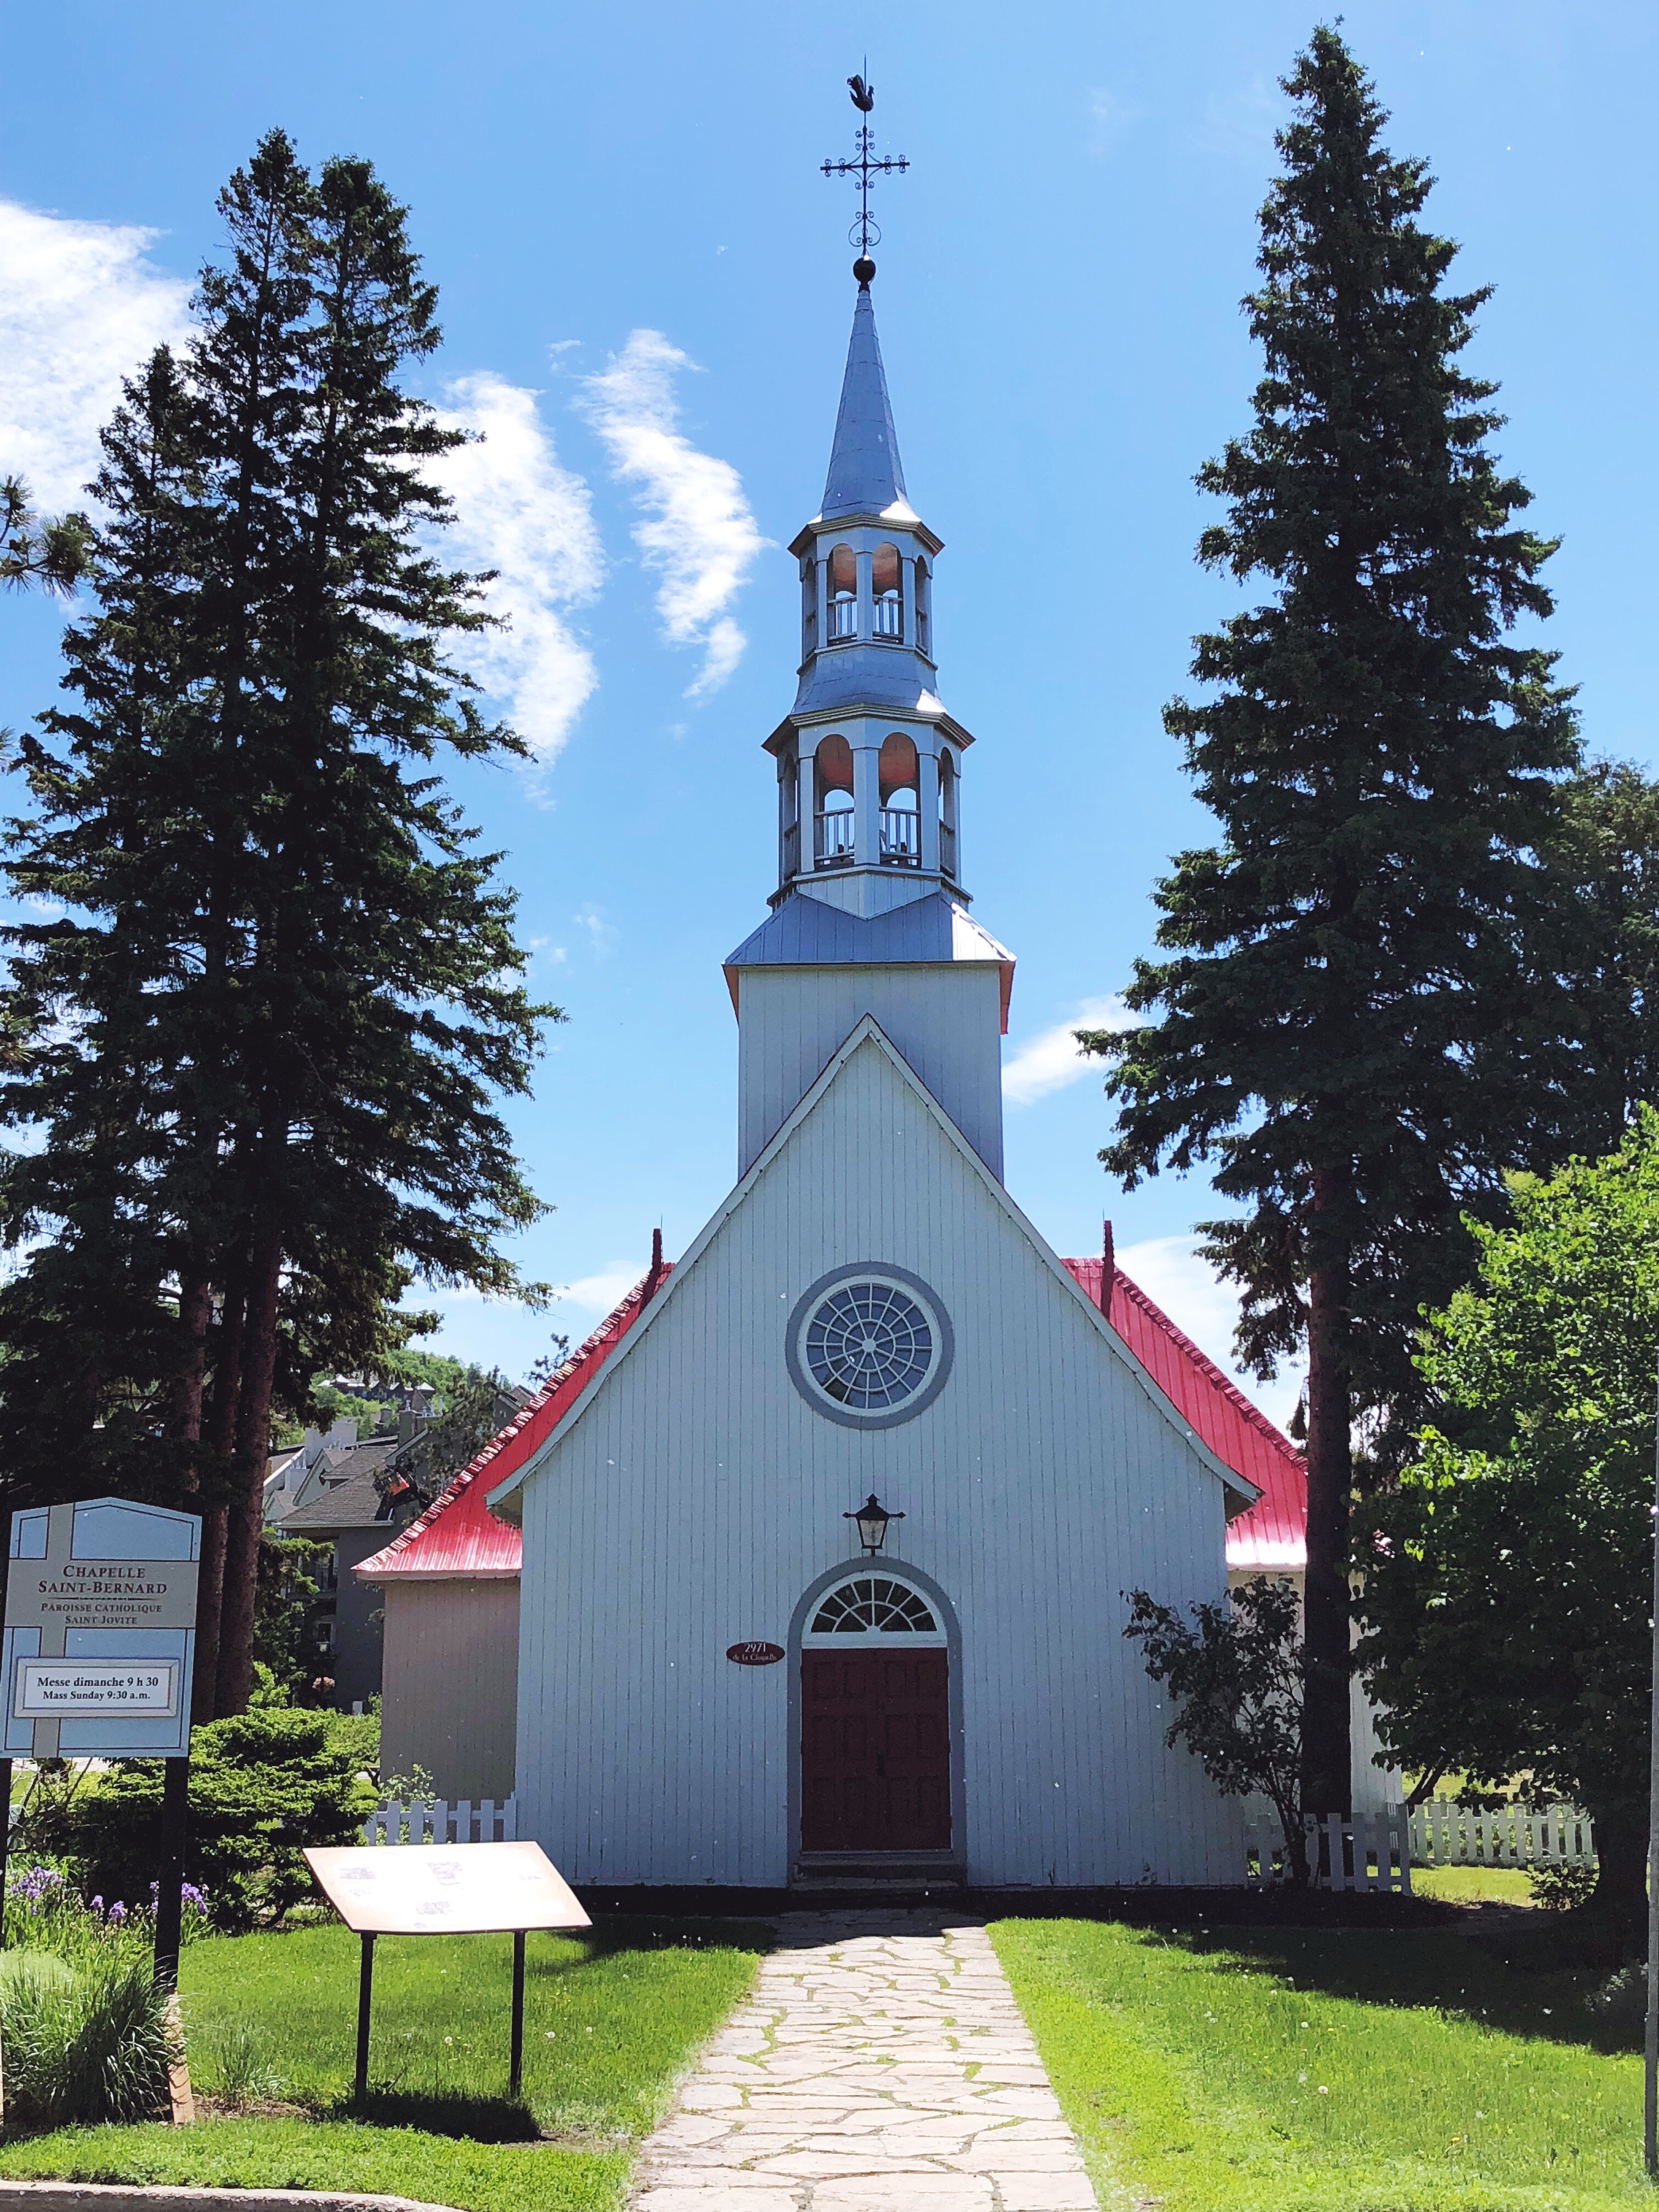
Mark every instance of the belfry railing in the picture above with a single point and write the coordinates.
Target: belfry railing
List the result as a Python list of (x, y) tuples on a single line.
[(832, 838), (900, 837)]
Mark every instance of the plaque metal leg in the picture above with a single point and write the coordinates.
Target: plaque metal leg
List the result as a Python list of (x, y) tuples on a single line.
[(515, 2067), (364, 1990)]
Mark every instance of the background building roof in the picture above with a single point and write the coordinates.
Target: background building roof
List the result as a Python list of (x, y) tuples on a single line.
[(354, 1503), (458, 1538)]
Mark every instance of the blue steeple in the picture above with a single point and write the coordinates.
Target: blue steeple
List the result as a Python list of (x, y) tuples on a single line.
[(866, 477), (869, 760)]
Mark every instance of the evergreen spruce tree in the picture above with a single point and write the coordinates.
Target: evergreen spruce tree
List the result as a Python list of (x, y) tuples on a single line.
[(1332, 1027), (51, 551), (289, 996)]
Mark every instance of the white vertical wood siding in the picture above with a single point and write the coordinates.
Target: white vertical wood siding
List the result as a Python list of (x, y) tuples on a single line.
[(946, 1020), (452, 1668), (698, 1496)]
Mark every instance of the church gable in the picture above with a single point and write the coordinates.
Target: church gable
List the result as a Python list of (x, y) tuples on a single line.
[(868, 1170), (695, 1501)]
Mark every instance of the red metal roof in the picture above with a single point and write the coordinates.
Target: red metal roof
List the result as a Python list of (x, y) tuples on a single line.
[(458, 1536), (1274, 1534)]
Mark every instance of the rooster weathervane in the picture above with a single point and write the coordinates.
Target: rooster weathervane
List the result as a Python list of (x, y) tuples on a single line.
[(866, 231)]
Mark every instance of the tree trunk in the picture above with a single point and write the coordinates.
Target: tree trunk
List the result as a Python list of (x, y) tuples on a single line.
[(1621, 1869), (246, 1512), (221, 1436), (1327, 1744), (195, 1309), (209, 1600), (184, 1426)]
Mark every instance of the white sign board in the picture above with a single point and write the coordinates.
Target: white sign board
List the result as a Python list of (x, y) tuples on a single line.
[(70, 1688), (100, 1631), (433, 1889)]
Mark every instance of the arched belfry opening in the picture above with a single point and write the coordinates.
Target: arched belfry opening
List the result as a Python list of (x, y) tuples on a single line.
[(834, 836), (887, 593), (843, 595), (899, 768)]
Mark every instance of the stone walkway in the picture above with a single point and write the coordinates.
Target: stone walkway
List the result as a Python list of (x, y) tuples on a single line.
[(880, 2065)]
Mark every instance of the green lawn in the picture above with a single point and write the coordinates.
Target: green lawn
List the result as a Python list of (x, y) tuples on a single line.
[(277, 2153), (610, 2020), (1473, 1884), (1326, 2071)]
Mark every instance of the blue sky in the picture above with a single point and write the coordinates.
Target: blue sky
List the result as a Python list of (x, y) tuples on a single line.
[(645, 300)]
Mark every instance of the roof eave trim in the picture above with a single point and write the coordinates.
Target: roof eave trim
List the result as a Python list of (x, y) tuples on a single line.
[(392, 1572), (901, 515), (806, 718)]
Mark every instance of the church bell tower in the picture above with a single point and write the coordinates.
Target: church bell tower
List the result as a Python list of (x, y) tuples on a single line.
[(869, 761), (869, 915)]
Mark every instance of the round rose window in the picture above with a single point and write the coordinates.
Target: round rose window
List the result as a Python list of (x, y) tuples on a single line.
[(869, 1346)]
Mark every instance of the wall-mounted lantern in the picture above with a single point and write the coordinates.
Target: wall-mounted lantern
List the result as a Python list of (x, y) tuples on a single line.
[(873, 1518)]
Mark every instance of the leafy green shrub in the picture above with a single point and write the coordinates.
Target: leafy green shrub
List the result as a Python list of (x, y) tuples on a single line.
[(1561, 1889), (261, 1786), (89, 2045), (51, 1805), (1619, 2007)]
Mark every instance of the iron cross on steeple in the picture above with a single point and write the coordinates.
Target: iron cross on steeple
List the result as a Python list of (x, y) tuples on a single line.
[(866, 231)]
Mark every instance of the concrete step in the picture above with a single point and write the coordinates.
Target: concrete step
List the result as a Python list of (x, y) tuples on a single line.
[(841, 1873)]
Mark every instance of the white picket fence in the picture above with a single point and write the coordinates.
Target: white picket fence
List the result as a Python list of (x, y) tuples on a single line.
[(434, 1820), (1446, 1833), (1371, 1851)]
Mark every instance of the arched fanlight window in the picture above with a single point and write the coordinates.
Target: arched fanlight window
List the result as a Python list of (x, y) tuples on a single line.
[(885, 584), (874, 1605), (843, 593)]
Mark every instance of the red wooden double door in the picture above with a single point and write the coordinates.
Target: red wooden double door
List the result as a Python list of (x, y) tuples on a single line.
[(875, 1751)]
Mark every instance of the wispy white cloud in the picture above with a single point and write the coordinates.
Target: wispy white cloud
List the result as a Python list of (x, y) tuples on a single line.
[(81, 306), (1051, 1059), (520, 512), (601, 937), (1170, 1272), (1110, 117), (1241, 121), (699, 534), (601, 1293)]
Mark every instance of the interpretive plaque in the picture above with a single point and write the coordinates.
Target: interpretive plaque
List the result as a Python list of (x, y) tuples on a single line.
[(433, 1889), (101, 1631)]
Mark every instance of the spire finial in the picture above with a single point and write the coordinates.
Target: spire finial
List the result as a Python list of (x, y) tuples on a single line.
[(866, 231)]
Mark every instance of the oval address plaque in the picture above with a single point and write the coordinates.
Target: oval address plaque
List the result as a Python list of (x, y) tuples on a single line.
[(754, 1654)]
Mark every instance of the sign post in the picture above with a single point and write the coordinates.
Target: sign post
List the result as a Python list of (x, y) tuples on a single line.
[(425, 1889), (99, 1649)]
